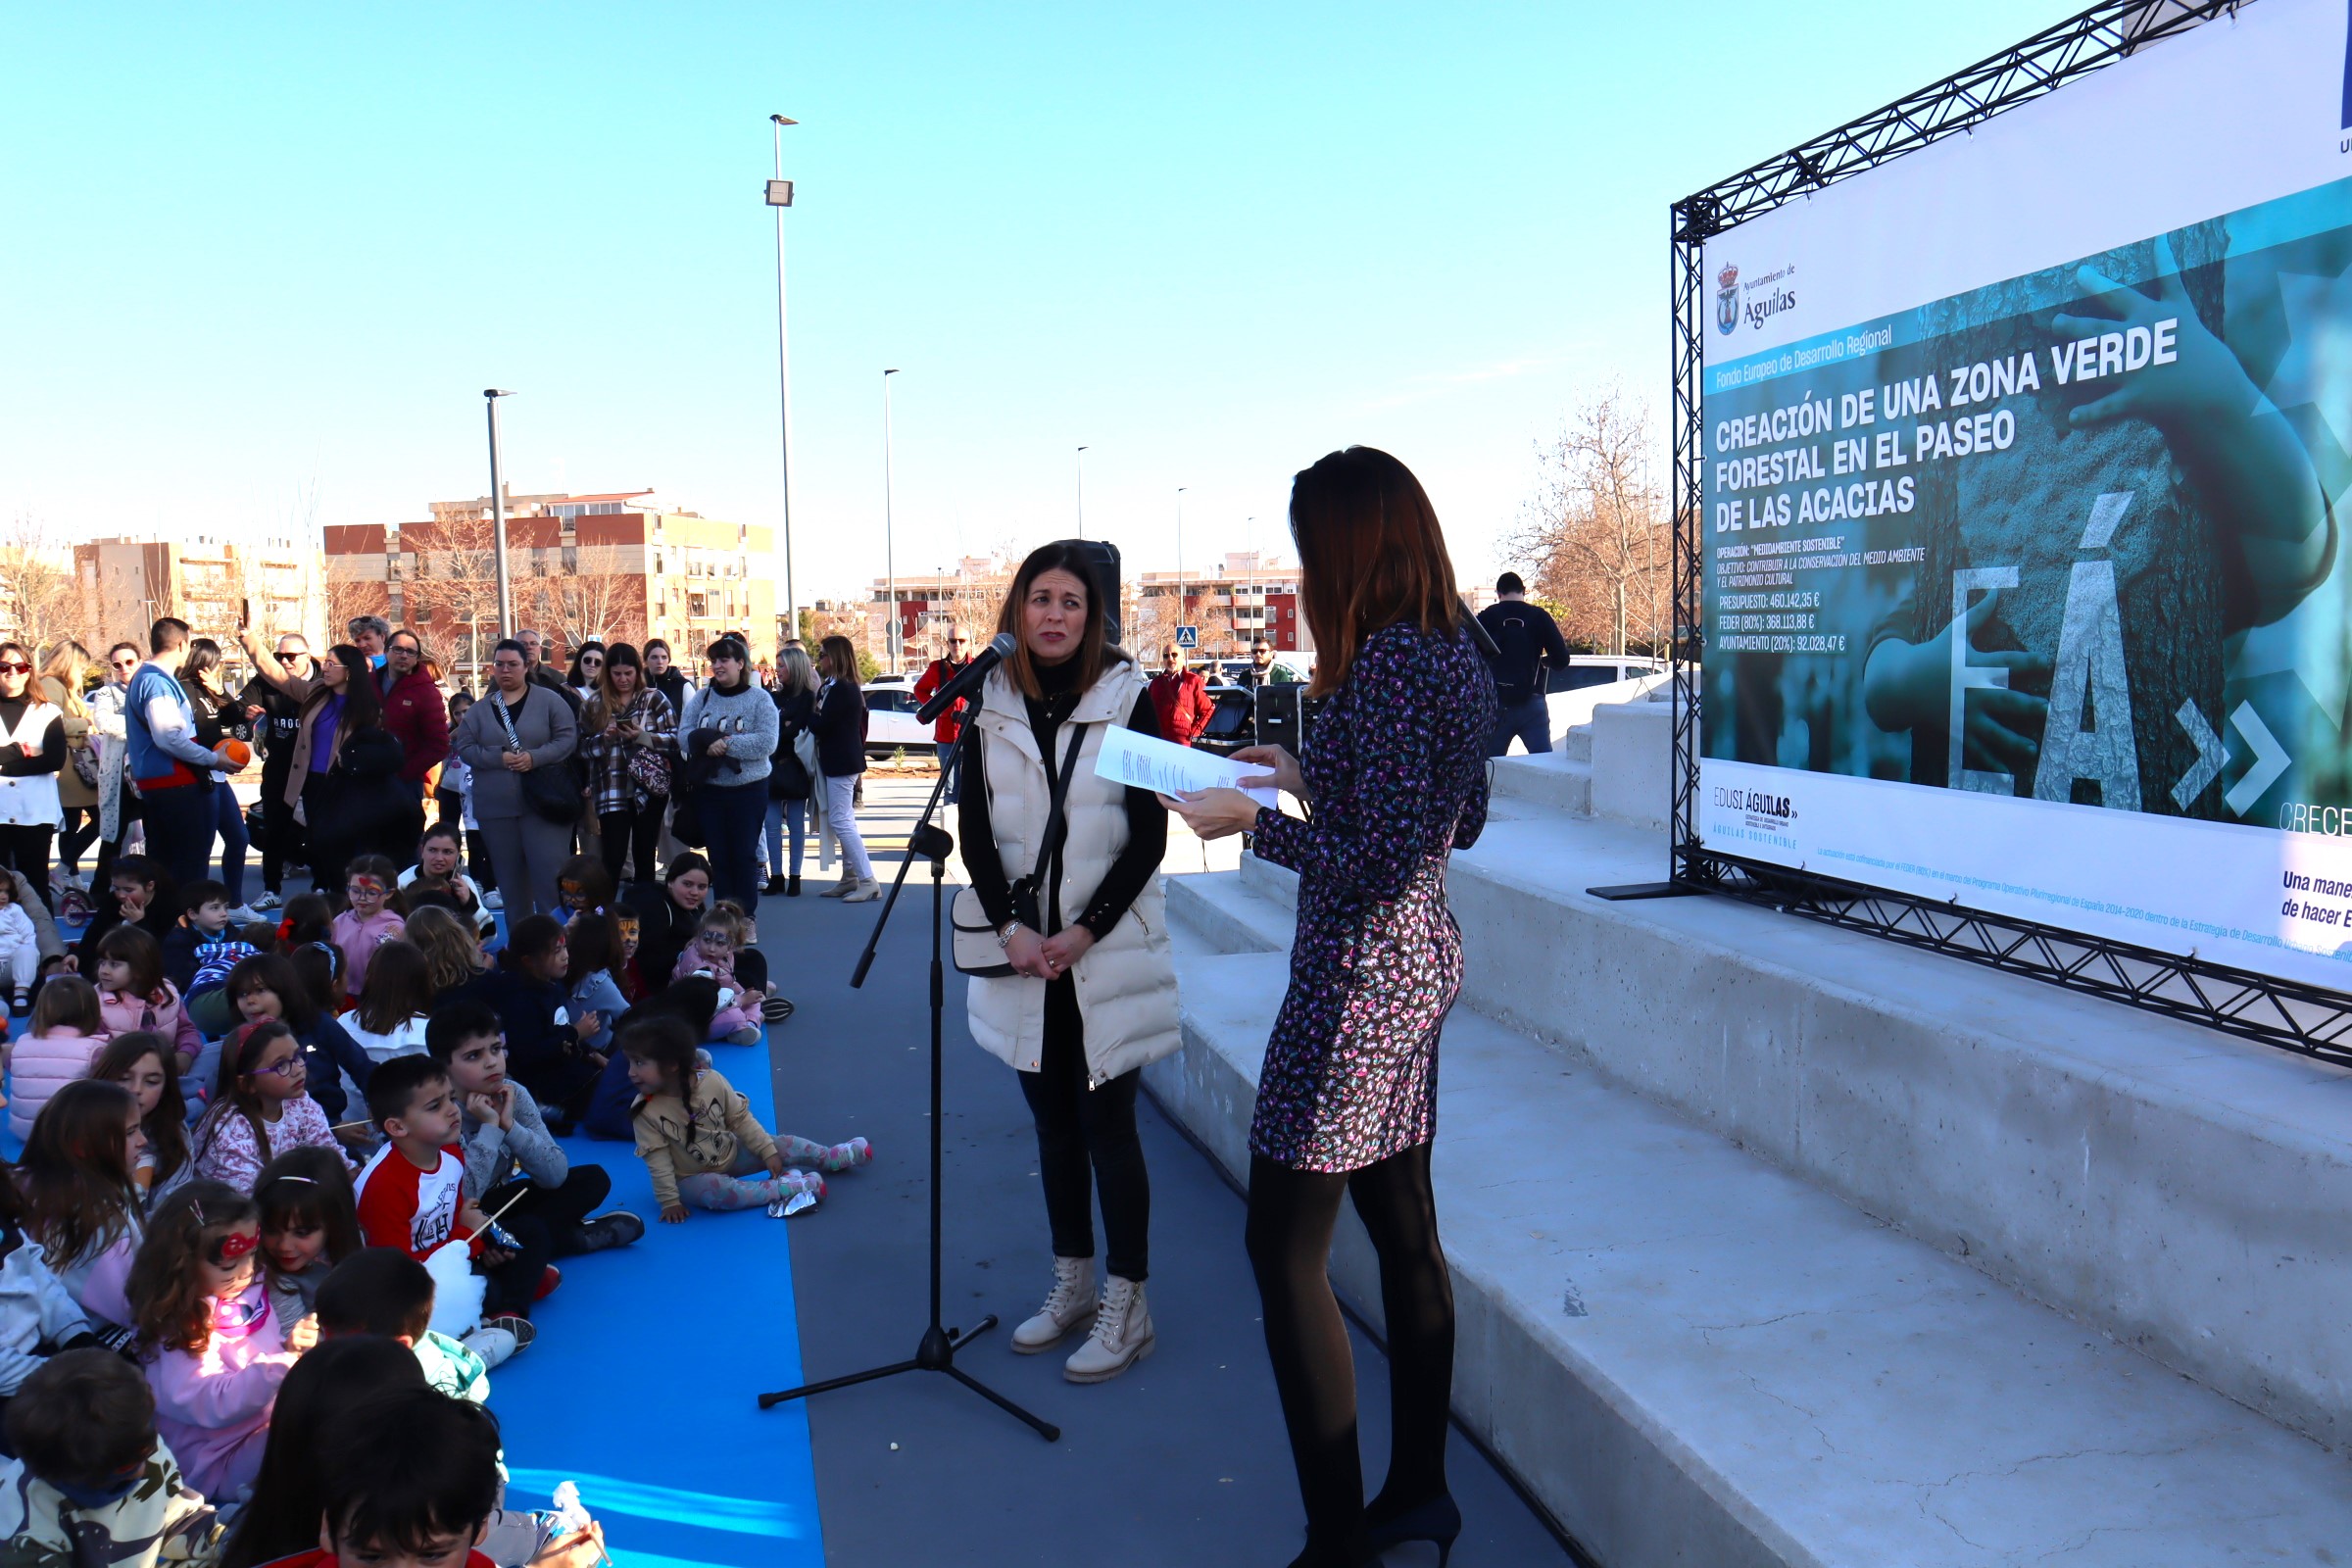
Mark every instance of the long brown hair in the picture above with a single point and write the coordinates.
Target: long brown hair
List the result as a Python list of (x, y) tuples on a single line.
[(837, 659), (452, 946), (1370, 555), (167, 1125), (135, 947), (604, 706), (1095, 652), (397, 990), (169, 1304), (75, 1171)]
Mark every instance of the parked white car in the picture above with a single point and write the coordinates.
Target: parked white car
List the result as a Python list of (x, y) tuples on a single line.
[(890, 721)]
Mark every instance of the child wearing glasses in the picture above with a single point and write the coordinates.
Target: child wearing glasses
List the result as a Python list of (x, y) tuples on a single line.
[(369, 920), (260, 1110)]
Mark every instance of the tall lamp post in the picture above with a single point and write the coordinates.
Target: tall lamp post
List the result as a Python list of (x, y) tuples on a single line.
[(1179, 558), (779, 197), (1080, 460), (890, 568), (498, 517)]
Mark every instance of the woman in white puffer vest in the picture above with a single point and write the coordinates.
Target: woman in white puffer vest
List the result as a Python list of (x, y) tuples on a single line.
[(1092, 996)]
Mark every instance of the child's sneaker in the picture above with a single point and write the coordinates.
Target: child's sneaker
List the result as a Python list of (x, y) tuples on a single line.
[(548, 1282), (747, 1035), (775, 1010), (850, 1155)]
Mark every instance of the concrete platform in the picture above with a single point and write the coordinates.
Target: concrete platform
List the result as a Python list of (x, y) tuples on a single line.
[(1692, 1355)]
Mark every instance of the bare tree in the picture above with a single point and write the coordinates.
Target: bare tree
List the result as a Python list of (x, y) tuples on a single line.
[(1596, 532), (596, 600), (40, 599), (449, 593)]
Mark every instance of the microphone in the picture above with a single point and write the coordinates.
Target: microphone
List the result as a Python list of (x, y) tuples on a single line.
[(967, 680)]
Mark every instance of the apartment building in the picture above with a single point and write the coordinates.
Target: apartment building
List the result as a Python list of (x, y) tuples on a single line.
[(125, 584)]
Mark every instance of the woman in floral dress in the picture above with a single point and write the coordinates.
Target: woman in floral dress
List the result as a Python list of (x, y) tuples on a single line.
[(1393, 781)]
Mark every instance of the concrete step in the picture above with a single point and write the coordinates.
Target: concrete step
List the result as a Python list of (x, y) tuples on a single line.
[(1552, 779), (2184, 1191), (1693, 1358), (1576, 745)]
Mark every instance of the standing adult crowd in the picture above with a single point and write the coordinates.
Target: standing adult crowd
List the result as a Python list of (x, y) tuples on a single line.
[(621, 756)]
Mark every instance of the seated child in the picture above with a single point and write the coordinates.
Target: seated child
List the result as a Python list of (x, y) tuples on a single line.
[(67, 1032), (509, 1156), (593, 944), (138, 892), (133, 993), (452, 948), (438, 866), (214, 1351), (308, 933), (92, 1481), (697, 1137), (271, 987), (199, 954), (141, 1062), (694, 1002), (381, 1290), (412, 1193), (546, 1046), (81, 1202), (369, 920), (412, 1476), (289, 1500), (38, 1316), (260, 1107), (389, 1019), (719, 937), (583, 886), (19, 945), (310, 1223)]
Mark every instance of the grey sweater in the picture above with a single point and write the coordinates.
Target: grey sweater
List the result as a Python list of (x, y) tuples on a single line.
[(492, 1153), (747, 718)]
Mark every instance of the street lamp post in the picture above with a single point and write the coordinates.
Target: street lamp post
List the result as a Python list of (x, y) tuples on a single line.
[(1179, 557), (890, 569), (1080, 460), (498, 517), (779, 197)]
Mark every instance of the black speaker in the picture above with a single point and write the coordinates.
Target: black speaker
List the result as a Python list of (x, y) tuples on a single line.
[(1285, 715)]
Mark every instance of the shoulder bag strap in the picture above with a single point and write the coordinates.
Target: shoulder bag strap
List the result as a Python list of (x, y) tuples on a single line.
[(506, 721), (1048, 849)]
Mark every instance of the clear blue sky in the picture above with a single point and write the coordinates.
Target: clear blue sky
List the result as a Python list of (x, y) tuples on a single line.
[(254, 251)]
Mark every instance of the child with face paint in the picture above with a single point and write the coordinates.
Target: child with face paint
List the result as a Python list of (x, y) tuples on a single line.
[(212, 1346), (369, 883)]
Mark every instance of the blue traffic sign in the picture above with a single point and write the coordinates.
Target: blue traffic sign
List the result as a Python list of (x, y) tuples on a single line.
[(1188, 636)]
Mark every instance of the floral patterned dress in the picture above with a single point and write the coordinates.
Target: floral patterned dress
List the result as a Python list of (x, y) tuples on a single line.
[(1398, 775)]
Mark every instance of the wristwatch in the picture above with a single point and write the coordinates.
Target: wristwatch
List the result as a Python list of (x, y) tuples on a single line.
[(1004, 933)]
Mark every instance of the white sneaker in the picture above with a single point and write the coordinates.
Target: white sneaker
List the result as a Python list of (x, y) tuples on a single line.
[(866, 892), (1071, 1303), (267, 901), (496, 1346), (244, 914), (1122, 1336), (492, 900)]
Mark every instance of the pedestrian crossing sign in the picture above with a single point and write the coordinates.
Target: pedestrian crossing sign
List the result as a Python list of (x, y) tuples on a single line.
[(1188, 636)]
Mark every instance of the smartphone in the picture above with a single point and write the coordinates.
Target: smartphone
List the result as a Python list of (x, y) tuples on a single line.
[(244, 615)]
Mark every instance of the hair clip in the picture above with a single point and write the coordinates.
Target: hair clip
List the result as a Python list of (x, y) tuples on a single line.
[(285, 929)]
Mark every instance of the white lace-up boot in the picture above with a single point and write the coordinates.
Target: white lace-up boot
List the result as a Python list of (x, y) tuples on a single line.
[(1071, 1303), (1123, 1335)]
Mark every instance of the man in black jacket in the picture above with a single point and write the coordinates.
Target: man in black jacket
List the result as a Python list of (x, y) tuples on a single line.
[(1528, 646), (277, 718)]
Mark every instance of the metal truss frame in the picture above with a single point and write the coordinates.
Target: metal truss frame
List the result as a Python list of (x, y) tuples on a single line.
[(2298, 1017)]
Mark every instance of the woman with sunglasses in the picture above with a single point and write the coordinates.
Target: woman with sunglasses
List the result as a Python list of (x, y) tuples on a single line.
[(118, 806), (64, 677), (32, 747)]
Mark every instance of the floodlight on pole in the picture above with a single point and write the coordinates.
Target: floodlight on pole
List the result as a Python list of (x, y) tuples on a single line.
[(779, 197), (1081, 462), (890, 569), (498, 516), (1178, 555)]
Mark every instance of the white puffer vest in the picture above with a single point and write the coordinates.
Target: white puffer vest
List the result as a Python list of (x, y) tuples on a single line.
[(1127, 981)]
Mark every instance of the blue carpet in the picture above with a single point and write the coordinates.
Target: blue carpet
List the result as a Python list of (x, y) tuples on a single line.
[(642, 1385)]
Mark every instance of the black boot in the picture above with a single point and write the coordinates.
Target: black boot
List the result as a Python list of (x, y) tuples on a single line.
[(792, 887)]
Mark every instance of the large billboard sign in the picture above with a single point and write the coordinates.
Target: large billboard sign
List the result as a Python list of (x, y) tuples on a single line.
[(2026, 465)]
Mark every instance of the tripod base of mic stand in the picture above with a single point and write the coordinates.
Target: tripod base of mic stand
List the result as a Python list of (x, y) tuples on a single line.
[(937, 1353)]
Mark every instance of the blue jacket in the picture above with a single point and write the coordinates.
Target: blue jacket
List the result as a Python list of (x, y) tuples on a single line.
[(160, 757)]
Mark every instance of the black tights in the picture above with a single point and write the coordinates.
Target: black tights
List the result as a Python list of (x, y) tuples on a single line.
[(1292, 1213)]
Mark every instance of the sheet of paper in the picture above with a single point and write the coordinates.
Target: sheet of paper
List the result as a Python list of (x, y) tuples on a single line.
[(1150, 763)]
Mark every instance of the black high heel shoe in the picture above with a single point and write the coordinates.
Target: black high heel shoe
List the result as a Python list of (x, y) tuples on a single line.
[(1439, 1521)]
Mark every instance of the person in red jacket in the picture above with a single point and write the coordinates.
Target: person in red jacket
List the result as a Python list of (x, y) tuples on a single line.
[(414, 710), (949, 724), (1181, 698)]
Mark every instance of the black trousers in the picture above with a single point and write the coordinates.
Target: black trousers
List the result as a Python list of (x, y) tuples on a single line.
[(1086, 1138), (544, 1222), (1292, 1213), (182, 822), (27, 850), (282, 834), (81, 831), (638, 825)]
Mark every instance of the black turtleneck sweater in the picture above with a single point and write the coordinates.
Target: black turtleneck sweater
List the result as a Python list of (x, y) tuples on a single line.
[(1147, 819)]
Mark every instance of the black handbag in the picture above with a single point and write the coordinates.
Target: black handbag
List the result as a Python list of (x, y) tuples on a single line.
[(977, 951), (552, 794)]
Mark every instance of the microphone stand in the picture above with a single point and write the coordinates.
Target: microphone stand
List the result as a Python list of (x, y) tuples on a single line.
[(936, 1352)]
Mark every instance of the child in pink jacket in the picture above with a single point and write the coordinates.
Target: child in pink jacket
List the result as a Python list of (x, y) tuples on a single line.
[(720, 936), (213, 1348), (64, 1036), (133, 993)]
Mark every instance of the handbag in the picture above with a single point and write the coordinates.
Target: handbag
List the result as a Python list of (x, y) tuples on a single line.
[(85, 764), (551, 793), (977, 951), (788, 776)]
